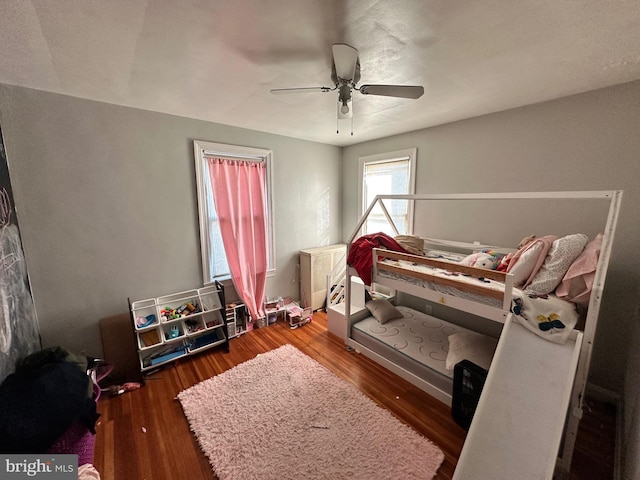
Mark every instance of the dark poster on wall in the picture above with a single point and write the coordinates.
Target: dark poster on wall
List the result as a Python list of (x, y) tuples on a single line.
[(19, 334)]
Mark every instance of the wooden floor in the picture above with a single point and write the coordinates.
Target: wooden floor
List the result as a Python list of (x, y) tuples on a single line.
[(144, 434)]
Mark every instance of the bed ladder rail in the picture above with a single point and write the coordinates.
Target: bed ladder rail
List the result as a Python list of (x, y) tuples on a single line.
[(335, 282)]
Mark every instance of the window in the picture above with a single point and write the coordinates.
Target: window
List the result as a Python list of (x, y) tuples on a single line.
[(214, 260), (385, 174)]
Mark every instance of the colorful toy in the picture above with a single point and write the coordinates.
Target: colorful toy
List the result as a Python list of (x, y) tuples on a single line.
[(188, 308), (125, 387), (173, 332)]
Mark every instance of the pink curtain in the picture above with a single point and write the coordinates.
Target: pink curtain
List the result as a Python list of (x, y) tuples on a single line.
[(240, 198)]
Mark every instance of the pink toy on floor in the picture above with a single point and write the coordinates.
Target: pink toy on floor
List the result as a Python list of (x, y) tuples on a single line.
[(125, 387)]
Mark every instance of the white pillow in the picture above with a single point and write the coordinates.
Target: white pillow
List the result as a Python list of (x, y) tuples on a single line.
[(471, 346), (560, 257), (523, 267)]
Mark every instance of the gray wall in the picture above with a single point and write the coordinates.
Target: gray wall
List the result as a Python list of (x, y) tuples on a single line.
[(106, 200), (583, 142)]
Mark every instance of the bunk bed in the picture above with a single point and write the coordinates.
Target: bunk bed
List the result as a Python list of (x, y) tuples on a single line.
[(528, 414)]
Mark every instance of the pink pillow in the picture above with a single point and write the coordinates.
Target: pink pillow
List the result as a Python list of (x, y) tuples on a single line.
[(526, 261), (578, 281)]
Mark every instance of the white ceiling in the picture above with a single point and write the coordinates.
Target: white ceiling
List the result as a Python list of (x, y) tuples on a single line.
[(216, 60)]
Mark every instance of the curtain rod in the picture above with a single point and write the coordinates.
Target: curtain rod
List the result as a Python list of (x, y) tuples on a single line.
[(255, 158)]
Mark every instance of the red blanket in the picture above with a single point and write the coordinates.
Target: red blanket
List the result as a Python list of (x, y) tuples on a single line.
[(360, 256)]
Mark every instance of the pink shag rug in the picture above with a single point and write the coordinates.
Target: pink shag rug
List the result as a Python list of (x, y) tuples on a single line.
[(282, 415)]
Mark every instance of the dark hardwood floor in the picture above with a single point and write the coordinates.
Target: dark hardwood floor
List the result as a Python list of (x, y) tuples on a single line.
[(144, 434)]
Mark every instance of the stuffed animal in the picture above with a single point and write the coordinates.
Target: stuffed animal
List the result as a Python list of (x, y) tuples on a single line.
[(481, 260)]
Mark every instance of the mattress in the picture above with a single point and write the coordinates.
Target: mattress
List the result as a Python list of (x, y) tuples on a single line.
[(417, 337)]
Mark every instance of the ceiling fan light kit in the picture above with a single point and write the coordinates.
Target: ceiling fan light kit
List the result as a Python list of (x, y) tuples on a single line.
[(345, 74), (345, 109)]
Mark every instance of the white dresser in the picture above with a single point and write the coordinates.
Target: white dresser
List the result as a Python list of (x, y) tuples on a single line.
[(315, 265)]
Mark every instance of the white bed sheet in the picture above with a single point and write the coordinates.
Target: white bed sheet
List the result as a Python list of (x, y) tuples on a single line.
[(417, 335)]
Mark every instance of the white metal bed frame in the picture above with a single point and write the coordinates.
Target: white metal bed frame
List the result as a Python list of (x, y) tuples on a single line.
[(573, 414)]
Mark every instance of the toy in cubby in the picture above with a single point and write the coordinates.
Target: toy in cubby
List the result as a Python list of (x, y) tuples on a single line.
[(142, 322), (144, 313), (172, 332), (213, 319), (184, 310), (193, 325)]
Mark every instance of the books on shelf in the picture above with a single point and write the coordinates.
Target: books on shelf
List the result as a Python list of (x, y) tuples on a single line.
[(149, 338)]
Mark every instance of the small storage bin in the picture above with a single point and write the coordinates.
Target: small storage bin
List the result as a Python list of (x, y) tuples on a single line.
[(210, 298), (206, 339), (468, 381), (149, 338), (145, 313), (172, 331), (213, 319), (261, 322), (193, 326)]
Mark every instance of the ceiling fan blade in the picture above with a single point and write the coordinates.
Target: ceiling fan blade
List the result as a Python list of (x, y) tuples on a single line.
[(284, 91), (402, 91), (345, 58)]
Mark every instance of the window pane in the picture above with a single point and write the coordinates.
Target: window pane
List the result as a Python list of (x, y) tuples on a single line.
[(381, 178), (218, 265)]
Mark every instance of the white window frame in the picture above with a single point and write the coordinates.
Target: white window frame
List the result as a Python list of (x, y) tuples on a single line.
[(411, 155), (204, 150)]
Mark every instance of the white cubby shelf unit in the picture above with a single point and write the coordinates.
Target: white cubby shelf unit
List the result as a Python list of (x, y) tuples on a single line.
[(177, 325)]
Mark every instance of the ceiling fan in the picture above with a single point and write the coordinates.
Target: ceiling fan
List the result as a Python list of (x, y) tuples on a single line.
[(345, 74)]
